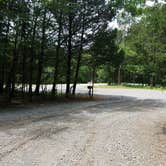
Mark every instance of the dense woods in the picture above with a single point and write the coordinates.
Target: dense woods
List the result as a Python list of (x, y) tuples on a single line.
[(71, 41), (146, 41)]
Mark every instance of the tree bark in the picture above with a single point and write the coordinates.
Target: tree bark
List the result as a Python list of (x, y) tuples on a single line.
[(23, 40), (119, 75), (4, 73), (79, 57), (32, 57), (69, 56), (2, 76), (93, 80), (12, 74), (40, 65), (56, 71)]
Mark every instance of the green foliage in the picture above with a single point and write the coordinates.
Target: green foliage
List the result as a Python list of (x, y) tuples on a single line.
[(104, 47), (53, 41), (146, 45)]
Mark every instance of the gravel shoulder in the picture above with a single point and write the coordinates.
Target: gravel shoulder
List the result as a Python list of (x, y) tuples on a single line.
[(127, 128)]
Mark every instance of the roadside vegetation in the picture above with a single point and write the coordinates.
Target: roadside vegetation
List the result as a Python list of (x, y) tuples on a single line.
[(130, 86)]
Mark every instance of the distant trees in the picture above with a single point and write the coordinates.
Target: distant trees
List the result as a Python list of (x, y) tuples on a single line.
[(145, 47)]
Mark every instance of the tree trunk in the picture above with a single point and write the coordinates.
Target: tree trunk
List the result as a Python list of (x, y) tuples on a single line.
[(2, 76), (23, 72), (5, 57), (23, 58), (93, 80), (152, 81), (32, 57), (119, 75), (79, 57), (57, 56), (40, 65), (12, 74), (69, 54)]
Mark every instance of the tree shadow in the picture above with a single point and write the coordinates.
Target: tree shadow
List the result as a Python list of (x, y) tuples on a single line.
[(75, 111)]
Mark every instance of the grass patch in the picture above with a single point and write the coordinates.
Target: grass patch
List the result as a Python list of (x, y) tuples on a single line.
[(128, 86)]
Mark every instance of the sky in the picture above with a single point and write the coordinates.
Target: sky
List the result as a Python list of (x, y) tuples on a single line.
[(114, 24)]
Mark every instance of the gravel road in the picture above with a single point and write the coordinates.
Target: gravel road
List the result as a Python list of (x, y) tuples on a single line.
[(125, 128)]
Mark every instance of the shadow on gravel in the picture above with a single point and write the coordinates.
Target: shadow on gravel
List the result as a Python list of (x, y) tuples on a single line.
[(164, 129), (123, 103), (75, 111), (45, 121)]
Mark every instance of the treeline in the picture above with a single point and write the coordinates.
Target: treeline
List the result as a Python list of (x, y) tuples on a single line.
[(42, 41), (71, 41), (144, 44), (146, 48)]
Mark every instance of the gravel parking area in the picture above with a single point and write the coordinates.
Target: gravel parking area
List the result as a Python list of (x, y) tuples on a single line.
[(126, 128)]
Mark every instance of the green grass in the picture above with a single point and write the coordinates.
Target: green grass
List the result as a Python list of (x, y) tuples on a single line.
[(127, 86)]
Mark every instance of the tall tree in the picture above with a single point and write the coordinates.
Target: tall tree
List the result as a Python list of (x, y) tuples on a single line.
[(42, 52)]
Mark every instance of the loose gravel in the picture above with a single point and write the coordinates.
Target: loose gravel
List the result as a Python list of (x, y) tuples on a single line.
[(127, 128)]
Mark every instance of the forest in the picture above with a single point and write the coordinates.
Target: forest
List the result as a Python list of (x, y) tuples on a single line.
[(75, 41)]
